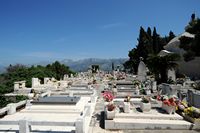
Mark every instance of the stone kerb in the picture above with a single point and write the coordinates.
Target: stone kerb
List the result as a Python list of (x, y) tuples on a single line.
[(12, 107), (48, 93), (82, 123)]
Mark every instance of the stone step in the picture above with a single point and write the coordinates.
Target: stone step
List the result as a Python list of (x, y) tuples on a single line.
[(149, 116), (146, 124)]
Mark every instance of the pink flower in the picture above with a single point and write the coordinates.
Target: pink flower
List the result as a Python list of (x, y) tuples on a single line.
[(108, 96)]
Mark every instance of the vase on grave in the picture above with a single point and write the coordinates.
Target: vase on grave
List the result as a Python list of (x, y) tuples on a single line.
[(110, 111), (145, 107), (145, 104), (127, 107), (168, 108)]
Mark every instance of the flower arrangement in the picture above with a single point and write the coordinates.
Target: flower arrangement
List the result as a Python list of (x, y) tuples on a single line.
[(181, 106), (136, 82), (170, 102), (127, 98), (145, 99), (108, 96)]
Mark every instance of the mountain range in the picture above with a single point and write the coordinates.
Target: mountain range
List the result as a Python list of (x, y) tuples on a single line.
[(84, 64), (2, 68)]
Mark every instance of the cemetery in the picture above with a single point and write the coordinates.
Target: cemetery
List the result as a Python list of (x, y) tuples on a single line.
[(151, 91), (135, 103)]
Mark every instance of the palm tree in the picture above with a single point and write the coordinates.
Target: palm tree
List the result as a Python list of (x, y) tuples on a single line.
[(159, 65)]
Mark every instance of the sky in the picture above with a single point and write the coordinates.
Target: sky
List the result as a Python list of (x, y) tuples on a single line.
[(32, 31)]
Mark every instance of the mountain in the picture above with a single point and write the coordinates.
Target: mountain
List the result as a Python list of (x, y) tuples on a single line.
[(2, 68), (84, 64)]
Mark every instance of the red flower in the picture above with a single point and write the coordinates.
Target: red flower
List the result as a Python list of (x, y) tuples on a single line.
[(166, 102), (108, 96), (170, 102), (158, 97)]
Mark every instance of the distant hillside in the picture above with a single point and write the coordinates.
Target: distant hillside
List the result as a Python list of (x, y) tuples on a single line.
[(84, 64), (2, 69)]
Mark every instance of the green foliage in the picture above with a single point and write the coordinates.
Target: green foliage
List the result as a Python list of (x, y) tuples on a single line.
[(148, 43), (194, 25), (20, 72), (159, 65), (21, 98), (4, 101), (190, 45), (189, 56)]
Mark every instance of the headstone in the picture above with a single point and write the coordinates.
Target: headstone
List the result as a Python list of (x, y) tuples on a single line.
[(35, 82), (16, 86), (171, 74), (23, 84), (142, 71), (168, 89), (190, 97), (11, 108), (66, 76), (46, 80), (154, 86)]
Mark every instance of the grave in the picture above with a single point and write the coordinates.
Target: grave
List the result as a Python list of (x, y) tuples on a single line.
[(142, 71), (57, 100), (155, 119)]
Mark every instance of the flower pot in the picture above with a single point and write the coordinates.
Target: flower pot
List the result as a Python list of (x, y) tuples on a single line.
[(137, 92), (110, 114), (148, 92), (145, 107), (168, 108), (127, 107)]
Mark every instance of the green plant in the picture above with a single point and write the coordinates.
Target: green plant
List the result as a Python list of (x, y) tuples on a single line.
[(127, 98), (21, 98), (145, 99), (136, 82)]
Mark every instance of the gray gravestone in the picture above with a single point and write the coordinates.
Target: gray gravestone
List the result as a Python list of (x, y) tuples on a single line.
[(142, 71)]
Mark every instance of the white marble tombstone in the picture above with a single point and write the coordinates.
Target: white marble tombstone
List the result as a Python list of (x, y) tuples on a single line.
[(154, 86), (171, 74), (16, 86), (142, 71), (35, 82), (46, 80), (23, 84)]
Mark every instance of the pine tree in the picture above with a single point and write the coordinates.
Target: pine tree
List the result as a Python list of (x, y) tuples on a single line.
[(149, 31), (171, 36)]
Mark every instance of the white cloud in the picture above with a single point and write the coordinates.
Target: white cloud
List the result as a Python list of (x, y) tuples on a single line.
[(113, 25)]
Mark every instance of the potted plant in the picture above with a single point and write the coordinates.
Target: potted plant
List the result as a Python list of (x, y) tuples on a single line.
[(145, 104), (127, 104), (110, 111), (136, 83), (109, 106), (108, 96)]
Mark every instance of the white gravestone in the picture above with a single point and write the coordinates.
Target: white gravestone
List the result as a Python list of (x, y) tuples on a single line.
[(35, 82), (171, 74)]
